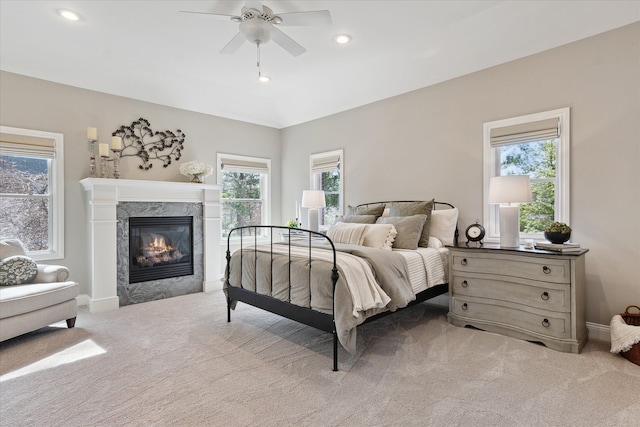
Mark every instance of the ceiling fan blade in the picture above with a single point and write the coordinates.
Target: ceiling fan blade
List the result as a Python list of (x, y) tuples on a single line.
[(217, 16), (234, 44), (286, 42), (315, 17)]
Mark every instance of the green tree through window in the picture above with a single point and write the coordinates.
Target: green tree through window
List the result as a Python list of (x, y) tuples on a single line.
[(326, 174), (538, 160), (331, 187), (242, 200)]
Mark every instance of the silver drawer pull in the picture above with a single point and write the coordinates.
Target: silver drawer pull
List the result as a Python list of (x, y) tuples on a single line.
[(464, 261), (545, 296), (545, 323), (464, 306), (464, 284), (546, 270)]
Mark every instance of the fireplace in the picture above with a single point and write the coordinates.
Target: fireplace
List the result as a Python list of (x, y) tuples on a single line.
[(110, 203), (160, 248)]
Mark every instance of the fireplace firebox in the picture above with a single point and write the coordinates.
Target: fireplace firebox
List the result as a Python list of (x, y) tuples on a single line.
[(160, 248)]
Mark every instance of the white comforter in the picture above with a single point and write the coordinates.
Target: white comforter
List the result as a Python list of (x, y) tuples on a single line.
[(427, 267)]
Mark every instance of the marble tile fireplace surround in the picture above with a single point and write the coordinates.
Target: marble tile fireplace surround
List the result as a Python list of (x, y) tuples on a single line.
[(109, 205)]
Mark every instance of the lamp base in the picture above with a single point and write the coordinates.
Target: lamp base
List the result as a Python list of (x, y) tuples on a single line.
[(509, 226), (313, 219)]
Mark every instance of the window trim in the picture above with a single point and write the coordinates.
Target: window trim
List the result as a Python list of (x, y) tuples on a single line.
[(562, 200), (315, 183), (56, 176), (264, 186)]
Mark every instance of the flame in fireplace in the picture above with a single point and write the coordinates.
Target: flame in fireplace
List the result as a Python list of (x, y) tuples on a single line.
[(156, 250), (158, 245)]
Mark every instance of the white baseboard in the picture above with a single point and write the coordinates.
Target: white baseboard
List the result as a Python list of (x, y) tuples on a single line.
[(211, 286), (83, 299), (599, 332), (103, 304)]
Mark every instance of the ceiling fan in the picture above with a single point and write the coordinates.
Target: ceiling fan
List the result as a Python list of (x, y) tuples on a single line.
[(258, 25)]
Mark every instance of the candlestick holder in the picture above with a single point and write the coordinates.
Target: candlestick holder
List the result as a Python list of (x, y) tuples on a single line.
[(116, 163), (103, 166), (92, 157)]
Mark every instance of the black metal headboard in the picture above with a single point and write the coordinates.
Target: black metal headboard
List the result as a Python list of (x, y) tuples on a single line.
[(436, 204)]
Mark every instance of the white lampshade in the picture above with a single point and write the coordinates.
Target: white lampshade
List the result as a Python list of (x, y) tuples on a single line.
[(510, 189), (313, 199)]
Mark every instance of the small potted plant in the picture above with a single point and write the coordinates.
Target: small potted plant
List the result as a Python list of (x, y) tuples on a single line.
[(557, 232), (292, 223)]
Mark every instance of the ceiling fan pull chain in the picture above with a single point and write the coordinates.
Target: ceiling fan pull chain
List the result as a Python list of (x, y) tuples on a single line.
[(258, 63)]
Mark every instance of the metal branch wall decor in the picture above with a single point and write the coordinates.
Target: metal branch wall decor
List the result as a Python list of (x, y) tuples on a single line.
[(139, 140)]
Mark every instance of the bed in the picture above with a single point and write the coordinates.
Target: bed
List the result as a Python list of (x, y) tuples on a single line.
[(379, 258)]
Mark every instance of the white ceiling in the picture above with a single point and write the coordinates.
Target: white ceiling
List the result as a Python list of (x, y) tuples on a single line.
[(146, 50)]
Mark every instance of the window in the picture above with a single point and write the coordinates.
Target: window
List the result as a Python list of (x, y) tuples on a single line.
[(536, 145), (246, 191), (32, 190), (326, 175)]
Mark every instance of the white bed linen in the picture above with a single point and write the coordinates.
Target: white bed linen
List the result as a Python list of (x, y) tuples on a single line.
[(428, 267)]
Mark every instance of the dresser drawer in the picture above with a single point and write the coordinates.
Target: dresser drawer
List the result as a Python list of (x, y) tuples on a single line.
[(542, 269), (547, 296), (554, 324)]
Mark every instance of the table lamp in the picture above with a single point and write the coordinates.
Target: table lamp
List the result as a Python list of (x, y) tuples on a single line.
[(314, 200), (505, 190)]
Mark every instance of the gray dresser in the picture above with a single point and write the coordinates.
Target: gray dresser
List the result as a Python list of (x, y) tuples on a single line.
[(523, 293)]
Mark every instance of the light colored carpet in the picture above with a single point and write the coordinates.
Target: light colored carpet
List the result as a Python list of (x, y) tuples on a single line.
[(178, 362)]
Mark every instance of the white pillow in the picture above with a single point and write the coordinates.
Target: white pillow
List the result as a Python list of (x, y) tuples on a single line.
[(379, 236), (349, 233), (434, 243), (443, 224)]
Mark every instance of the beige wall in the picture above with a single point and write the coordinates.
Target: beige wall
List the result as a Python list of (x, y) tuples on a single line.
[(37, 104), (428, 143)]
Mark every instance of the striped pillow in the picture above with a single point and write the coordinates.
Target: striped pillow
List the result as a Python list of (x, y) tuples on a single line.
[(349, 233)]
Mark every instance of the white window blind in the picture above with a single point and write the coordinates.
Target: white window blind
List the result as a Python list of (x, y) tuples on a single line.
[(25, 145), (232, 164), (525, 132), (325, 163)]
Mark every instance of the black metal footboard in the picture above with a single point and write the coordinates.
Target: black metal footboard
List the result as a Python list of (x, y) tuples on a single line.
[(248, 238)]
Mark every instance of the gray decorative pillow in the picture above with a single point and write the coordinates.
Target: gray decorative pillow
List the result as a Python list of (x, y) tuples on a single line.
[(409, 229), (16, 270), (360, 219), (373, 209), (415, 208)]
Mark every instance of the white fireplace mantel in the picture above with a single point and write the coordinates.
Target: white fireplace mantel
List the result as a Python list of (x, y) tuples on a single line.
[(102, 197)]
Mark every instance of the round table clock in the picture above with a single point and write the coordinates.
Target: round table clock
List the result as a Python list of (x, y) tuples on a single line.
[(475, 233)]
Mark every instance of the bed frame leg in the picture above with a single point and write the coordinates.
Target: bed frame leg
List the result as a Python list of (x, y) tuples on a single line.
[(335, 352), (228, 312)]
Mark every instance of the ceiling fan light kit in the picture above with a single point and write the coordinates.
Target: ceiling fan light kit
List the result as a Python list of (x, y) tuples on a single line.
[(256, 31), (258, 26)]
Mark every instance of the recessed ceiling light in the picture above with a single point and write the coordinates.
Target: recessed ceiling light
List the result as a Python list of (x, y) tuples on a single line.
[(67, 14), (342, 38)]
